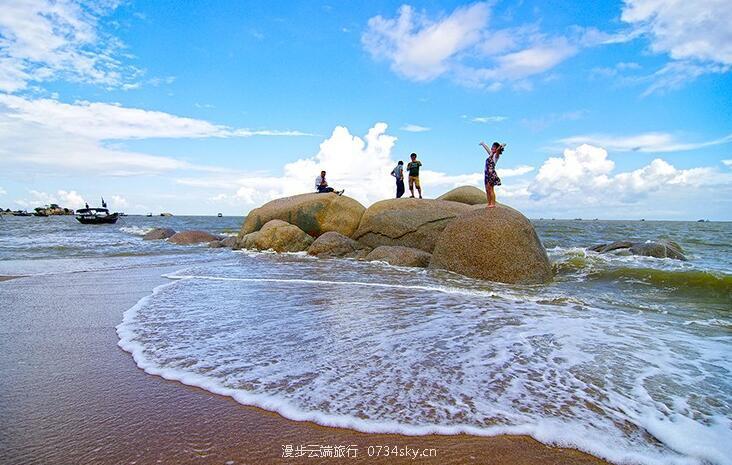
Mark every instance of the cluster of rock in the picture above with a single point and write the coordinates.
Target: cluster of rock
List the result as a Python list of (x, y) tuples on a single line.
[(53, 209), (661, 248), (456, 233)]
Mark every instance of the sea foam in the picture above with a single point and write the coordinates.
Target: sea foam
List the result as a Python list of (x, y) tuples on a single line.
[(340, 345)]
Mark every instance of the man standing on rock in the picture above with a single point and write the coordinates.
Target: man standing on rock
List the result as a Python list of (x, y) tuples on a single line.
[(413, 169), (398, 173), (321, 185)]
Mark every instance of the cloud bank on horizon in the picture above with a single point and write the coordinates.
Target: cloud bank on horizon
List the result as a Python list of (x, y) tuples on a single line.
[(79, 111)]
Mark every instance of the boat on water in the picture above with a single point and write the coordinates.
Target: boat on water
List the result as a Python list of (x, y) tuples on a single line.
[(96, 216), (149, 215), (219, 215)]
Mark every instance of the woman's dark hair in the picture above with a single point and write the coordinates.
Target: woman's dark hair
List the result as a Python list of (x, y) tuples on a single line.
[(496, 144), (400, 162)]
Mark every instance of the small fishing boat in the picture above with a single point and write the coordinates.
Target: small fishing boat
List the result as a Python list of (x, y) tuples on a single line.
[(219, 215), (149, 215), (96, 216)]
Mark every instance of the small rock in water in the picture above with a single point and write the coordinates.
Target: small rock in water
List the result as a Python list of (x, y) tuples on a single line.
[(661, 248), (192, 237), (227, 242), (158, 234)]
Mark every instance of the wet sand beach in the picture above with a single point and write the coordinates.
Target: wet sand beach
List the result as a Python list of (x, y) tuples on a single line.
[(71, 395)]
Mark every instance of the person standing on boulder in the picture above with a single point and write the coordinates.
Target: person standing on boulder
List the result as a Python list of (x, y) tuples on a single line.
[(398, 173), (491, 178), (321, 185), (413, 169)]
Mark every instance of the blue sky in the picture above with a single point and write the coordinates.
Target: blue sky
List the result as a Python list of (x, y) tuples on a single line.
[(621, 111)]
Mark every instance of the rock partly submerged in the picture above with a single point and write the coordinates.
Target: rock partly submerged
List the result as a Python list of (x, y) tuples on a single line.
[(192, 237), (313, 213), (465, 194), (334, 244), (496, 244), (277, 235), (228, 242), (400, 256), (414, 223), (158, 234), (661, 248)]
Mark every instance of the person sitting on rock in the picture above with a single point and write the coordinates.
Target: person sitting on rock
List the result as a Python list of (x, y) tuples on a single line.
[(398, 173), (491, 178), (321, 185), (413, 169)]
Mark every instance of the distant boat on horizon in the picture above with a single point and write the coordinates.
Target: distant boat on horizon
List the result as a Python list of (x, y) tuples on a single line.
[(219, 215)]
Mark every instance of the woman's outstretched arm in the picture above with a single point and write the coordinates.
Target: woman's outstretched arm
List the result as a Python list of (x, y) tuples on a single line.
[(487, 149)]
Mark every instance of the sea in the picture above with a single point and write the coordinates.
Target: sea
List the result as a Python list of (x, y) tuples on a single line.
[(628, 358)]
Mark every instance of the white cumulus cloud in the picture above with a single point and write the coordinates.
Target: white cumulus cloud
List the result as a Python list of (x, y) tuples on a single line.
[(584, 175), (460, 45), (66, 199), (419, 48), (360, 165), (697, 36), (699, 30)]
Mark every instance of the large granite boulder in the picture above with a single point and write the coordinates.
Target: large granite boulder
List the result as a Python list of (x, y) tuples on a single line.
[(414, 223), (313, 213), (279, 236), (158, 234), (192, 237), (661, 248), (334, 244), (400, 256), (465, 194), (497, 244)]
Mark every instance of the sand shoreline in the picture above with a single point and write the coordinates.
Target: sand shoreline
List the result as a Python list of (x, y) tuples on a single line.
[(78, 398)]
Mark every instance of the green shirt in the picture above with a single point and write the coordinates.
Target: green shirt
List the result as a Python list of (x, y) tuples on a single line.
[(413, 168)]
